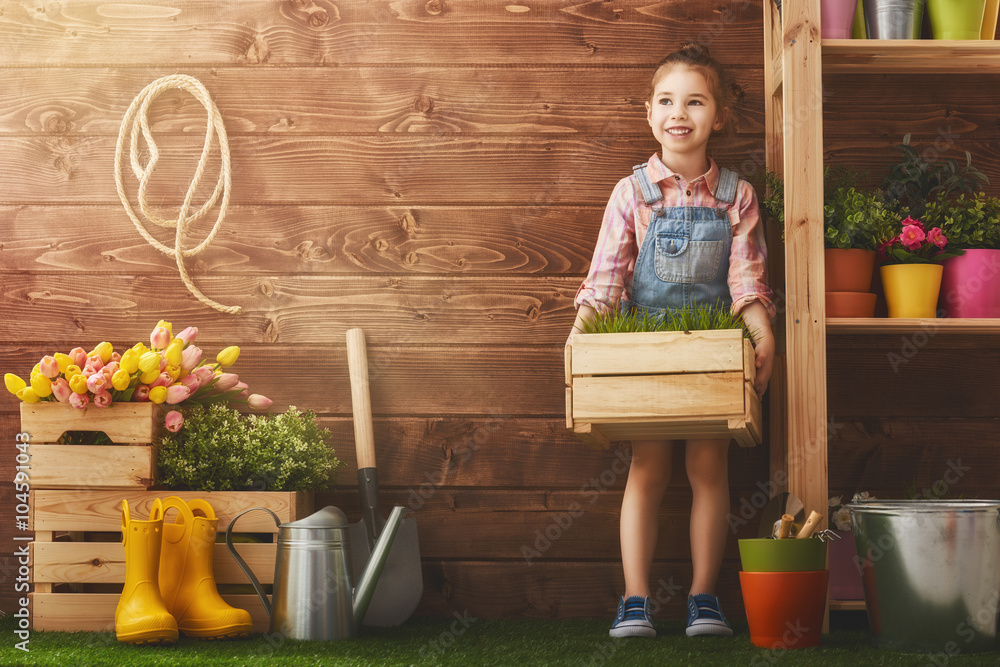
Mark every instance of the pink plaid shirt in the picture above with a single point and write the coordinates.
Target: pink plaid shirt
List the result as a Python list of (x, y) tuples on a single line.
[(626, 220)]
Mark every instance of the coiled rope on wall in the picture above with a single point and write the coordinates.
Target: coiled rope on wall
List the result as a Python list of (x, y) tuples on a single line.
[(136, 120)]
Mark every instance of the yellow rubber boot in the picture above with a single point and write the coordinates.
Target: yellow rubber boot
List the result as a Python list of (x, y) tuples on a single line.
[(141, 616), (187, 580)]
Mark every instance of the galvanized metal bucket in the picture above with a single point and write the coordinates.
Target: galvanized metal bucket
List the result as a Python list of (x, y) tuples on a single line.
[(893, 19), (931, 573)]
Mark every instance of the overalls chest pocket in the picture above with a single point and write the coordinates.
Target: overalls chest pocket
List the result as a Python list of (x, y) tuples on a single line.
[(678, 259)]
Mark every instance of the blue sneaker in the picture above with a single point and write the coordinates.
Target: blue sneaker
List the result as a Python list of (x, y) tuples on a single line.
[(633, 619), (705, 617)]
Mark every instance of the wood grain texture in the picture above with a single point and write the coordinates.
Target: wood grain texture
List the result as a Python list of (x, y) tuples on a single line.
[(302, 240), (296, 309), (608, 102), (373, 170), (338, 33)]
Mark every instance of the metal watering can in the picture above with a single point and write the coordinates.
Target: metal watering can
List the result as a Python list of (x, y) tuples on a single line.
[(313, 597)]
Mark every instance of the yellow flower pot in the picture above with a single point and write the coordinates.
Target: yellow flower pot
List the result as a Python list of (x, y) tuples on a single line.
[(911, 290)]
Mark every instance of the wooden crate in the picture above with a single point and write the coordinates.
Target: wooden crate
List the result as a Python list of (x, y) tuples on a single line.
[(83, 562), (662, 385), (130, 463)]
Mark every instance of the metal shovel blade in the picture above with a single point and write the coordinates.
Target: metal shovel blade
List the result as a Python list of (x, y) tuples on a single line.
[(401, 585)]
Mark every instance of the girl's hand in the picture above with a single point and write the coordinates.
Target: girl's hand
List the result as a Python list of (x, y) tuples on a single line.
[(759, 323)]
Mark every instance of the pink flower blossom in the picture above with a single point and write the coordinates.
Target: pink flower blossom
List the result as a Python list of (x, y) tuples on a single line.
[(204, 374), (258, 402), (177, 393), (141, 393), (915, 223), (937, 237), (173, 421), (163, 380), (95, 362), (227, 381), (79, 356), (49, 367), (245, 387), (102, 399), (115, 356), (61, 390), (912, 237), (110, 369), (79, 400), (188, 335), (190, 356), (96, 382), (159, 337), (191, 381)]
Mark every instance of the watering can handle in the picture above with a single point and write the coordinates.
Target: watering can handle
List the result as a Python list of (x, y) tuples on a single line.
[(242, 563)]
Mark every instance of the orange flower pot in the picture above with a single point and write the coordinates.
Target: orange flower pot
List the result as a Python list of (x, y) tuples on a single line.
[(911, 290), (849, 270), (785, 609), (850, 304)]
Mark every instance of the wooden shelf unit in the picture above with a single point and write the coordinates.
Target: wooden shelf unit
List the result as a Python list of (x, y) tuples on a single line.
[(797, 60)]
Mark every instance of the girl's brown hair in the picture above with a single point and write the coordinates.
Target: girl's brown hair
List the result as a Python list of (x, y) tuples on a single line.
[(696, 57)]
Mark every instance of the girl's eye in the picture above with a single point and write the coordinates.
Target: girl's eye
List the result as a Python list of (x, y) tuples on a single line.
[(665, 101), (698, 102)]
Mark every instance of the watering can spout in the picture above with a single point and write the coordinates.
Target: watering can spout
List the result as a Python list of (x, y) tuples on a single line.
[(365, 588)]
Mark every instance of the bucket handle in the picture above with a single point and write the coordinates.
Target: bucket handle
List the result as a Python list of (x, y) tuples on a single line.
[(242, 563)]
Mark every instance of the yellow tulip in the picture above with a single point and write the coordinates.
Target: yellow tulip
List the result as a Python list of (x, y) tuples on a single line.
[(41, 385), (148, 377), (174, 352), (140, 349), (36, 369), (166, 325), (64, 361), (27, 395), (158, 394), (173, 371), (121, 379), (129, 361), (13, 383), (228, 356), (72, 370), (78, 383), (104, 350), (149, 361)]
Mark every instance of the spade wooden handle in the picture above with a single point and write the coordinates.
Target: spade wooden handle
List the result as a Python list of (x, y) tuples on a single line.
[(364, 432), (785, 531), (810, 525)]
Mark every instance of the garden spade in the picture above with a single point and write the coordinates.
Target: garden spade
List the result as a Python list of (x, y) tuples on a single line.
[(401, 585), (781, 504)]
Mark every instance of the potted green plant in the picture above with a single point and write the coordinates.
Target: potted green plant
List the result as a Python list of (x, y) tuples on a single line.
[(911, 272), (970, 283)]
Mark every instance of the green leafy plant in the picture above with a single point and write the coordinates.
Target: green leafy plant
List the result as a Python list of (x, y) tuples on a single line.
[(835, 177), (220, 449), (967, 222), (913, 181), (856, 219), (701, 317)]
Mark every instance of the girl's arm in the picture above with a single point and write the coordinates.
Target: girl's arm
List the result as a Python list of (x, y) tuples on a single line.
[(758, 321), (584, 315)]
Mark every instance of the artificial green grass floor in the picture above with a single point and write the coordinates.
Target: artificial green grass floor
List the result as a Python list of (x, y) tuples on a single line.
[(437, 641)]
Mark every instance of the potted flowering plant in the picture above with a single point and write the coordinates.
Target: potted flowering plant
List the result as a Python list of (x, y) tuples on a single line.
[(845, 576), (911, 271)]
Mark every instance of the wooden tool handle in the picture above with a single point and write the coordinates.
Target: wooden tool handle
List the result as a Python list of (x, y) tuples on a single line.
[(364, 431), (810, 525), (785, 531)]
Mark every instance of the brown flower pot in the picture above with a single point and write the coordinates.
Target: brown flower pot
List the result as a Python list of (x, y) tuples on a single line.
[(850, 304), (849, 270)]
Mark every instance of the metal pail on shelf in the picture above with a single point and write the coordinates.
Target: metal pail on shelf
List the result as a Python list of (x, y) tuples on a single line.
[(931, 572), (893, 19)]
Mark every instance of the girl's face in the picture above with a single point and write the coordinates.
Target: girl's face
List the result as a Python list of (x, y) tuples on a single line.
[(683, 113)]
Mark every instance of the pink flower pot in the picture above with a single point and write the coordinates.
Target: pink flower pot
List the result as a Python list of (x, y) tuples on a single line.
[(836, 18), (845, 578), (970, 286)]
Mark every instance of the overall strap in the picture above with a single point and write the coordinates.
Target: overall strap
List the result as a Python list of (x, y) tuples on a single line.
[(651, 192), (725, 188)]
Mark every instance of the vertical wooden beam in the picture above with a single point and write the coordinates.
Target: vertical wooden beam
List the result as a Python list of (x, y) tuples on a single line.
[(805, 312)]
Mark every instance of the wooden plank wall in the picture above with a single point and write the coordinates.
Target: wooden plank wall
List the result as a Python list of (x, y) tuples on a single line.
[(435, 173)]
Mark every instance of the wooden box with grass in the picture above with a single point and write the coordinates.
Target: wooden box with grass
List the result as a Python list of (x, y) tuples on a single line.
[(662, 385), (128, 461), (78, 562)]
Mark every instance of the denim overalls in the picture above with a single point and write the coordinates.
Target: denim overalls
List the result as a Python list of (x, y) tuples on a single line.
[(684, 258)]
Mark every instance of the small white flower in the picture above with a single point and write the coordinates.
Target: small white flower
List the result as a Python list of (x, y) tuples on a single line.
[(836, 501), (842, 519)]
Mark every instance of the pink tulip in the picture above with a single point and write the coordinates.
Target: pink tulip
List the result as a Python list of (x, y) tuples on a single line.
[(164, 380), (158, 338), (141, 393), (245, 387), (177, 393), (912, 237), (87, 371), (191, 381), (937, 237), (163, 362), (110, 369), (49, 366), (61, 390), (173, 421), (188, 335), (258, 402), (227, 381), (204, 374), (102, 399), (79, 356), (96, 382), (95, 362), (79, 400), (190, 356), (115, 356)]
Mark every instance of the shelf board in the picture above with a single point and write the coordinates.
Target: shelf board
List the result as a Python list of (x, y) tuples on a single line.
[(885, 325), (911, 56), (847, 605)]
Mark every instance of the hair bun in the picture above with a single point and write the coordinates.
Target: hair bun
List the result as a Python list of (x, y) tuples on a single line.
[(694, 51)]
